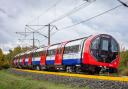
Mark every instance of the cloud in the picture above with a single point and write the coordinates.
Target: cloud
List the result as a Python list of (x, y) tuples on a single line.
[(2, 11), (14, 15)]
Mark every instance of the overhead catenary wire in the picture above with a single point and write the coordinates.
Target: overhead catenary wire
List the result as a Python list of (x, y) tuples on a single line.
[(77, 8), (87, 3), (42, 14), (74, 10), (123, 3), (86, 20), (71, 12), (83, 21), (54, 5)]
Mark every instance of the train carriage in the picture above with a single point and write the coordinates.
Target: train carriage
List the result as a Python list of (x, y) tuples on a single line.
[(27, 59), (36, 58)]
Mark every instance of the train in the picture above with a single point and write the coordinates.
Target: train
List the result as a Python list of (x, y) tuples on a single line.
[(91, 54)]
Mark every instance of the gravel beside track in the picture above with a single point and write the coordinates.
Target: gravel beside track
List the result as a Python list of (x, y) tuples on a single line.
[(74, 82)]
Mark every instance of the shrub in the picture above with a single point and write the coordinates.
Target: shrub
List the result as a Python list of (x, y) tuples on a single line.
[(4, 65), (124, 72)]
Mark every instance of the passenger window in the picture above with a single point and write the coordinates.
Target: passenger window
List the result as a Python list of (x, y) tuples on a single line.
[(48, 52), (51, 52), (26, 55), (59, 50), (65, 50), (76, 48), (105, 44), (36, 54), (71, 49)]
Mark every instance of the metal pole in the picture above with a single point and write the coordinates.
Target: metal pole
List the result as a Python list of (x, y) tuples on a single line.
[(48, 34), (33, 41), (25, 38)]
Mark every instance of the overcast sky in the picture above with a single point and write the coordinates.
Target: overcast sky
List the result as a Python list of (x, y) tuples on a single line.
[(15, 14)]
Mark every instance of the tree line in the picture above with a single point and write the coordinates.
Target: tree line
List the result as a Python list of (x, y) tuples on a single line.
[(6, 59)]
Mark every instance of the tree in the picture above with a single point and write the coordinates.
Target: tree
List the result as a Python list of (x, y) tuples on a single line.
[(124, 58), (123, 68), (1, 55), (17, 50), (1, 58)]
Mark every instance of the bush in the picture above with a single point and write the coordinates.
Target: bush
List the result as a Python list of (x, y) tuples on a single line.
[(123, 68), (124, 72), (4, 65)]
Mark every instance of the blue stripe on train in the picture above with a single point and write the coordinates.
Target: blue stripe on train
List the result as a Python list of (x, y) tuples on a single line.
[(50, 62), (71, 61), (35, 62), (64, 62), (26, 63)]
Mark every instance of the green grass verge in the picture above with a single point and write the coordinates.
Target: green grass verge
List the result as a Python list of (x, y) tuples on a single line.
[(11, 81)]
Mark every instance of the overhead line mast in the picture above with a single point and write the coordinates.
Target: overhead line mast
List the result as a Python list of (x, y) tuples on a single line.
[(63, 16), (33, 45), (50, 27)]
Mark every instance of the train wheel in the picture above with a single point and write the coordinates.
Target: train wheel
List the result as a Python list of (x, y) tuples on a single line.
[(70, 69), (97, 70), (78, 70), (37, 67), (113, 70)]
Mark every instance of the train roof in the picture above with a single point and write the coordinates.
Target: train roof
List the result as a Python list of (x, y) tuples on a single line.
[(39, 50), (77, 42), (53, 46)]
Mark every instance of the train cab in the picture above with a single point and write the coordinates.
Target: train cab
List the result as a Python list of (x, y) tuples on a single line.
[(101, 51)]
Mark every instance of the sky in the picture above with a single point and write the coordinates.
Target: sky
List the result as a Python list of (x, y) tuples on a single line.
[(15, 14)]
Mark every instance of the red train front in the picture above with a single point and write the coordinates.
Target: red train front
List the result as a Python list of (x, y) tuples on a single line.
[(101, 51)]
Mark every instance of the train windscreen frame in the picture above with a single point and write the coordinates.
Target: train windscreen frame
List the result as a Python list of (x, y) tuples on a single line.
[(104, 48)]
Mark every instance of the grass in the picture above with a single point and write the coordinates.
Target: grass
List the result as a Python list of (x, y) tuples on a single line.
[(11, 81)]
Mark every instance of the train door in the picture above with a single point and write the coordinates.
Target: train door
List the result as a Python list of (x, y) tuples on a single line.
[(17, 61), (23, 60), (43, 55), (30, 59), (59, 54)]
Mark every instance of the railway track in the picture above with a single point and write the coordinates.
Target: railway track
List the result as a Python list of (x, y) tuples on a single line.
[(108, 78), (75, 80)]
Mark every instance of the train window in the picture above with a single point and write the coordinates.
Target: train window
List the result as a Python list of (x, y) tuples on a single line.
[(36, 54), (114, 46), (65, 50), (71, 49), (51, 52), (114, 49), (77, 48), (95, 47), (26, 55), (48, 52), (105, 44), (59, 50), (95, 43)]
